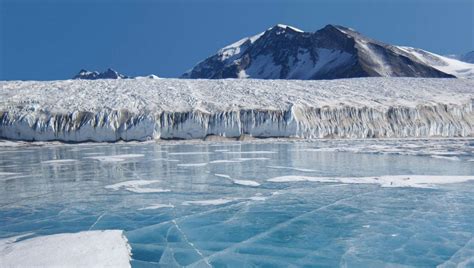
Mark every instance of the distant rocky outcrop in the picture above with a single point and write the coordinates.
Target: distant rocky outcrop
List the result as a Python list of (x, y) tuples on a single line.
[(94, 75)]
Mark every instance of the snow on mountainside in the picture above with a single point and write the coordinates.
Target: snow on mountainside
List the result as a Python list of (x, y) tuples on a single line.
[(445, 64), (141, 109), (285, 52)]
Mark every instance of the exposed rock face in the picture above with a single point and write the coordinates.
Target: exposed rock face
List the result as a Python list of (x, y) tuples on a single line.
[(284, 52)]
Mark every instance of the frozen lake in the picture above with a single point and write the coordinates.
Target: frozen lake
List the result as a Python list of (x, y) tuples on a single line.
[(273, 203)]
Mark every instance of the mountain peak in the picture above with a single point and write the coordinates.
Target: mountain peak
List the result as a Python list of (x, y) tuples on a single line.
[(285, 27), (335, 51), (339, 29)]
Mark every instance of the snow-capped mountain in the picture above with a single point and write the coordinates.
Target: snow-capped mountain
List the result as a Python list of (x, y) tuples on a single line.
[(468, 57), (93, 75), (285, 52)]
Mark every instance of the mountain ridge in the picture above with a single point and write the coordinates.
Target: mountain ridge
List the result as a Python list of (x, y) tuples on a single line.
[(335, 51)]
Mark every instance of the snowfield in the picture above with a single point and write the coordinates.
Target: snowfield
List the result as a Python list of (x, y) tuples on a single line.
[(143, 109)]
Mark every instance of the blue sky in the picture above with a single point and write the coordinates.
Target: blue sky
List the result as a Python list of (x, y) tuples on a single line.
[(53, 39)]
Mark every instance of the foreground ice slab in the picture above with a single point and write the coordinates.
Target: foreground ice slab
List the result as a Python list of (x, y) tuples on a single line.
[(84, 249), (111, 110)]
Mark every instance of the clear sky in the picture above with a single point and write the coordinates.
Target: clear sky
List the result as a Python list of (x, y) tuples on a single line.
[(54, 39)]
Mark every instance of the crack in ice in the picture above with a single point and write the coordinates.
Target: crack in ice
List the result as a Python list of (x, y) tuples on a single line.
[(203, 258), (97, 220), (277, 227), (444, 264)]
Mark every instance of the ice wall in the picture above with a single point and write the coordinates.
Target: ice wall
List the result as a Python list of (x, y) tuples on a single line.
[(291, 115), (439, 120)]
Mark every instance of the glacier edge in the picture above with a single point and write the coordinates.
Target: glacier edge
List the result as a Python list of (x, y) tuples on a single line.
[(298, 112), (438, 120)]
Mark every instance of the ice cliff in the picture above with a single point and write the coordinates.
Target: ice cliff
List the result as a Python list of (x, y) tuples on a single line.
[(111, 110)]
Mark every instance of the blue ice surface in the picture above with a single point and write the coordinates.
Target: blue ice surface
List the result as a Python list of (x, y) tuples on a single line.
[(301, 224)]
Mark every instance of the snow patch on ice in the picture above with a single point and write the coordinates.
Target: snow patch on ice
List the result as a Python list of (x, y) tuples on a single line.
[(223, 176), (251, 152), (293, 168), (190, 153), (8, 173), (59, 161), (239, 182), (251, 158), (192, 165), (211, 202), (246, 183), (224, 161), (222, 201), (157, 206), (136, 186), (141, 190), (107, 248), (452, 158), (418, 181), (115, 158)]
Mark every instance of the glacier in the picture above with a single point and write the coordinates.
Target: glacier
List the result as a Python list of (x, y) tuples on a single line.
[(150, 109)]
